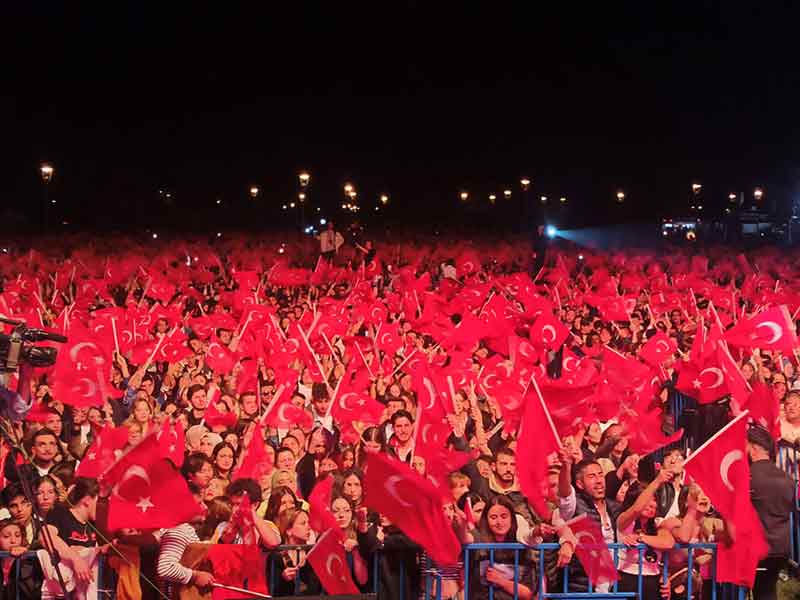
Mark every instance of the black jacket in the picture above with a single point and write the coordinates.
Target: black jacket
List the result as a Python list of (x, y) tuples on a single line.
[(398, 566), (772, 493)]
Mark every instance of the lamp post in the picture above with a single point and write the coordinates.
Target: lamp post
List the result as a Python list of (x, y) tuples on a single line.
[(464, 196), (254, 191), (620, 196), (46, 170), (304, 178)]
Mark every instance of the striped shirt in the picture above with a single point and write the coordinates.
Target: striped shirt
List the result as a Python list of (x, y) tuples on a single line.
[(173, 543)]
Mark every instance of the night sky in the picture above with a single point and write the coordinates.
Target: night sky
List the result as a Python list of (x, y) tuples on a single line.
[(417, 100)]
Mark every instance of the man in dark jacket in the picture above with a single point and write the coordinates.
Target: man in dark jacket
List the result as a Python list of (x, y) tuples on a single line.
[(772, 494), (591, 501)]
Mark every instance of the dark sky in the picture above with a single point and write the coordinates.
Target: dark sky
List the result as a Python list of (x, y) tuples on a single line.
[(415, 99)]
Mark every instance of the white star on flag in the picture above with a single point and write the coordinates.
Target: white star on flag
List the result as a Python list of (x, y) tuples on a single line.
[(697, 384), (144, 504)]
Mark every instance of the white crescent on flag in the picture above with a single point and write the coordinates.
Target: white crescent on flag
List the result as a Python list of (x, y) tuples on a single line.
[(726, 464), (391, 489)]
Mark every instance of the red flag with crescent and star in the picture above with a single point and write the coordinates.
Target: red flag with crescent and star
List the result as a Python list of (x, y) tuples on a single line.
[(148, 491), (720, 467), (772, 329), (413, 504), (329, 562), (81, 371), (592, 551)]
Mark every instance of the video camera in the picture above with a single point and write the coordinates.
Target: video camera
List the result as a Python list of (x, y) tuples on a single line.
[(18, 347)]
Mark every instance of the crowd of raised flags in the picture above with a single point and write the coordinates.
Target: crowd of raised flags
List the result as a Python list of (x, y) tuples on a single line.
[(405, 371)]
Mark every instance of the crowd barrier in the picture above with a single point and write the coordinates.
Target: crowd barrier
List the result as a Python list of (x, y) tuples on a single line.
[(431, 576), (103, 593)]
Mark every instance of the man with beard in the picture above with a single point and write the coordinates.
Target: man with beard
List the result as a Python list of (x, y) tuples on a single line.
[(503, 482), (44, 451), (591, 501)]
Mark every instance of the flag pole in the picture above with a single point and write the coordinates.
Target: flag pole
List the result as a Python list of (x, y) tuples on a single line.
[(546, 412), (743, 414), (232, 588)]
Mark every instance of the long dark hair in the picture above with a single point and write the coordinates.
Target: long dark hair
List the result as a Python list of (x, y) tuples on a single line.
[(370, 434), (274, 502), (483, 523), (646, 526)]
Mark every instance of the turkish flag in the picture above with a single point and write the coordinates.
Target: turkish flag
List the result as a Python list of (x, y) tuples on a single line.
[(537, 442), (765, 409), (233, 564), (282, 414), (658, 349), (151, 497), (255, 462), (705, 384), (440, 462), (411, 503), (172, 441), (320, 516), (100, 455), (771, 329), (548, 332), (329, 562), (592, 551), (242, 522), (720, 467), (81, 371), (734, 379), (219, 358)]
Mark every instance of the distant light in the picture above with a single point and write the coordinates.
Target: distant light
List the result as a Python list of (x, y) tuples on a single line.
[(301, 196), (304, 178), (384, 199), (319, 209), (46, 170), (758, 193), (219, 234), (281, 250), (620, 196), (665, 233), (155, 236), (696, 187), (219, 201), (348, 189), (377, 208), (543, 198), (563, 199), (507, 193), (169, 195), (525, 183), (323, 221), (580, 256), (291, 204), (284, 207), (551, 231), (731, 197), (52, 201), (699, 207), (308, 229), (254, 191), (464, 196), (492, 197)]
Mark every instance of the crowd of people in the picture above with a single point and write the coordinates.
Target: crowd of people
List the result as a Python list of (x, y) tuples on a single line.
[(282, 368)]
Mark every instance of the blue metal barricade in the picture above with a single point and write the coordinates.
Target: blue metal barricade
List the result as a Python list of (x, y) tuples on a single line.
[(102, 594)]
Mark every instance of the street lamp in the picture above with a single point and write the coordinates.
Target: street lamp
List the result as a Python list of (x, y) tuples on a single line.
[(384, 199), (254, 191), (563, 199), (696, 187), (46, 170), (301, 196), (543, 199), (525, 183), (348, 189), (732, 197), (620, 196), (304, 179), (758, 193), (506, 194), (464, 196), (492, 198)]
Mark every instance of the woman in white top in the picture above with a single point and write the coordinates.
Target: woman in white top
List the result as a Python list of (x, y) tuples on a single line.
[(637, 525)]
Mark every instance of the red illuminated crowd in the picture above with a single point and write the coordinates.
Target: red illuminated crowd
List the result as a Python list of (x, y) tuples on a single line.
[(348, 414)]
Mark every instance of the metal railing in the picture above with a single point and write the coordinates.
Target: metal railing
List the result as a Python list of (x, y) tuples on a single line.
[(32, 556)]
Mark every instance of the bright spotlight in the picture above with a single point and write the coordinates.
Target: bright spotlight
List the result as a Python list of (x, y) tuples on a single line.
[(580, 256), (551, 231), (323, 222)]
